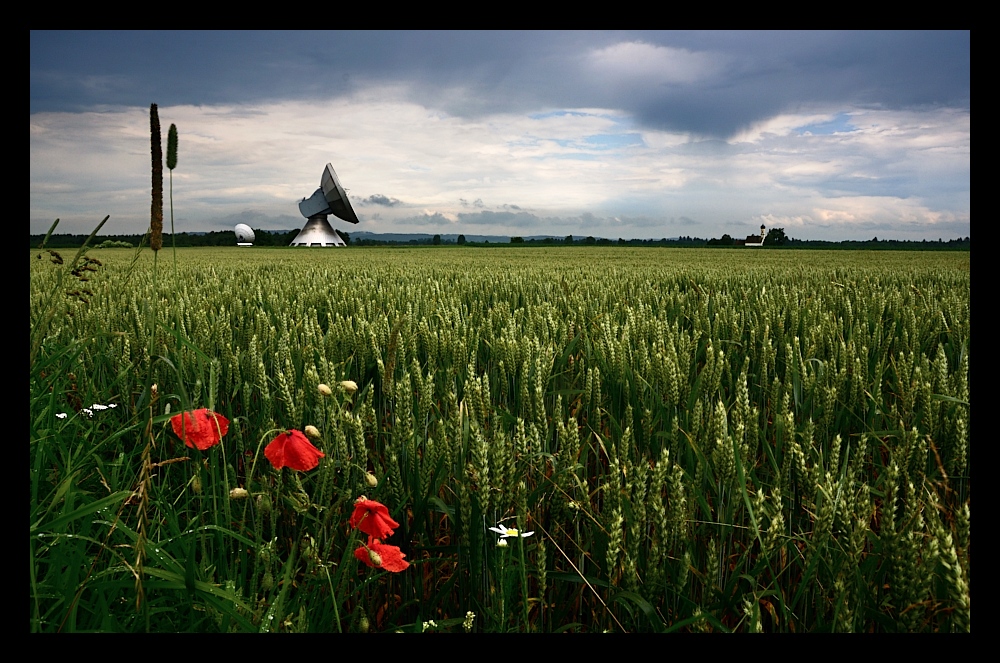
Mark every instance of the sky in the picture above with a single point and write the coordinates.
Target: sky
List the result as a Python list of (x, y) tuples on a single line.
[(828, 135)]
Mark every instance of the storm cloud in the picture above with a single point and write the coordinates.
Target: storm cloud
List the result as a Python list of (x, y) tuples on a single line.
[(829, 133)]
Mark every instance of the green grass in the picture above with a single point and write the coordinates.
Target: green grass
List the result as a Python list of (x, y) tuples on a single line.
[(700, 440)]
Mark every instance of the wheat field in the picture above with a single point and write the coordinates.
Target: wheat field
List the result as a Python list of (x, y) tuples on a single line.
[(697, 440)]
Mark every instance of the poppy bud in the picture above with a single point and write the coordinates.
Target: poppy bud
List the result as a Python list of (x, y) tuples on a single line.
[(350, 386), (238, 493), (312, 432), (371, 479), (325, 390), (196, 484), (375, 558)]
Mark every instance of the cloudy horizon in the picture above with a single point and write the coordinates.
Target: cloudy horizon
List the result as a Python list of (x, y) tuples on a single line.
[(829, 135)]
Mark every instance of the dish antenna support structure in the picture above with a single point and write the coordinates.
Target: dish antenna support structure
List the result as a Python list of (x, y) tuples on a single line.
[(329, 198)]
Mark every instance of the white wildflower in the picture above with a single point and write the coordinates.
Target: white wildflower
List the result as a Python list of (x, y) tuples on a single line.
[(505, 532)]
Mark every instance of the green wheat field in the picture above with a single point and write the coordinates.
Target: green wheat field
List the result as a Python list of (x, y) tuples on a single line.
[(697, 440)]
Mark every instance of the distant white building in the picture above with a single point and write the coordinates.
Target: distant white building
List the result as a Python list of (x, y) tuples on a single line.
[(756, 240)]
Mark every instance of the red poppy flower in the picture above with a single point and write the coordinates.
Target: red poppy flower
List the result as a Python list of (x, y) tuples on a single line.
[(380, 556), (372, 518), (201, 428), (292, 449)]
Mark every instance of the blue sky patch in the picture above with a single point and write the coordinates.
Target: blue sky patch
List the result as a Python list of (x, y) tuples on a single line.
[(614, 141), (839, 124)]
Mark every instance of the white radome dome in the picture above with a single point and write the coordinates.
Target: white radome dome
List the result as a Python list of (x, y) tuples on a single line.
[(244, 233)]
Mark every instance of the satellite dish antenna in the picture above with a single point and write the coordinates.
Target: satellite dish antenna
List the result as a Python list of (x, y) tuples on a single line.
[(329, 198), (244, 235)]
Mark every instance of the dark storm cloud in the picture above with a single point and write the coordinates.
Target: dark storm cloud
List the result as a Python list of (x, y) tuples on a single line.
[(483, 218), (77, 70), (769, 73), (436, 219), (711, 84), (379, 199)]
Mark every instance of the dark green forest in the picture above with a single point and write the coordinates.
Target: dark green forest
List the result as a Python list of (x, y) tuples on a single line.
[(277, 238)]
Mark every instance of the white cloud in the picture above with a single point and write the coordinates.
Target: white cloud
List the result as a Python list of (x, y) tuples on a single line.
[(864, 209), (779, 125), (652, 65), (896, 168)]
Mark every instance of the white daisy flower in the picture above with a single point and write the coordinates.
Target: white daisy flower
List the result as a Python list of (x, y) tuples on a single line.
[(506, 532)]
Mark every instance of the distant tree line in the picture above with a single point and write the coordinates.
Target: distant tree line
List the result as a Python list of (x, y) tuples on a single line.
[(777, 237), (265, 238), (774, 237), (215, 238), (876, 244), (569, 240)]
